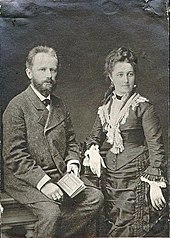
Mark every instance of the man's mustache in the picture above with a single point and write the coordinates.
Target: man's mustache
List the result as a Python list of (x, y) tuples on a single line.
[(50, 81)]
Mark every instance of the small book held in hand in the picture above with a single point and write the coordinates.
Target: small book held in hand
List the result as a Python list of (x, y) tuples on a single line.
[(71, 184)]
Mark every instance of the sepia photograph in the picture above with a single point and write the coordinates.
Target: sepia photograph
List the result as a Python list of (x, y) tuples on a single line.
[(84, 118)]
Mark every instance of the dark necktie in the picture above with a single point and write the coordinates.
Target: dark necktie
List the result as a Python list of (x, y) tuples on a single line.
[(119, 97), (46, 102)]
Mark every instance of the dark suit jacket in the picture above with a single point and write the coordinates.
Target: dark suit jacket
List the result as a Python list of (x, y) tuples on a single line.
[(35, 142)]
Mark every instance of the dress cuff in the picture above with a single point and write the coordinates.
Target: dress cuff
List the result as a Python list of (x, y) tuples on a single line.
[(43, 181), (95, 144), (153, 174), (74, 161), (153, 183), (93, 147)]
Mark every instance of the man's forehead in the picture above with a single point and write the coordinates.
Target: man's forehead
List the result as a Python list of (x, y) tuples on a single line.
[(44, 58)]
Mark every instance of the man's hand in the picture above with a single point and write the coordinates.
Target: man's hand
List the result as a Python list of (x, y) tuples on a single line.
[(157, 198), (52, 191), (73, 168)]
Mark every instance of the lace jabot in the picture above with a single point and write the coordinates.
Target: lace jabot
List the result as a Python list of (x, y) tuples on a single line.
[(114, 113)]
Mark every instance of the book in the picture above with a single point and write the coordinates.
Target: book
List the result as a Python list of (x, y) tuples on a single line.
[(71, 184)]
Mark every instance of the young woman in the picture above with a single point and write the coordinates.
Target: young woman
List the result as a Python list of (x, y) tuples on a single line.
[(134, 165)]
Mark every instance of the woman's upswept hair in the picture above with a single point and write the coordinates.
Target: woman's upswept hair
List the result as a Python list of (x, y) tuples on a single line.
[(39, 49), (119, 55)]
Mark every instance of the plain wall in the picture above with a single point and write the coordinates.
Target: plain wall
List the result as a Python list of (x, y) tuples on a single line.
[(83, 33)]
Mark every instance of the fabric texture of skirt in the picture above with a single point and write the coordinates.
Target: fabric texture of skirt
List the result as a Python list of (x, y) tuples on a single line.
[(128, 208)]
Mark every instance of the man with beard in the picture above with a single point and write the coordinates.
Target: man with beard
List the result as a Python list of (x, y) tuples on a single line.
[(39, 146)]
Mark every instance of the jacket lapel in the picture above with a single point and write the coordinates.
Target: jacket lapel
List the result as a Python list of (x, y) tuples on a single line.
[(55, 116), (41, 110), (43, 117), (48, 119)]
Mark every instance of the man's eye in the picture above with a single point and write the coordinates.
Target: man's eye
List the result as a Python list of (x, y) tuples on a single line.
[(53, 70), (131, 74)]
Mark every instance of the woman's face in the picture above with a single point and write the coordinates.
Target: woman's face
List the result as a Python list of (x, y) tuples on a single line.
[(123, 78)]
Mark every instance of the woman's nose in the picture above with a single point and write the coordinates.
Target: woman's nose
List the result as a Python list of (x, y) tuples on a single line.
[(126, 79)]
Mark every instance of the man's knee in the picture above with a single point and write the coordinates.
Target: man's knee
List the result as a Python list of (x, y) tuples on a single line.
[(96, 197), (99, 196), (48, 212), (52, 212)]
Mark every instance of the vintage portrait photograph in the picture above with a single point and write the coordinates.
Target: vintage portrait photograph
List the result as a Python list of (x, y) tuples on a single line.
[(84, 118)]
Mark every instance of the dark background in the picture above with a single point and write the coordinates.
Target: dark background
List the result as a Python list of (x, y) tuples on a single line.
[(83, 33)]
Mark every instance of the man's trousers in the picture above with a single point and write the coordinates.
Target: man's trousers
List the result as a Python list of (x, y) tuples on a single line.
[(70, 218)]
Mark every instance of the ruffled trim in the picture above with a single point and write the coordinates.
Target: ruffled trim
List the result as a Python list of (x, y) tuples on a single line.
[(136, 102), (154, 178)]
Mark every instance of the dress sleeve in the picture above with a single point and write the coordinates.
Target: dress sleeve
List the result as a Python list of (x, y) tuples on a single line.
[(153, 135), (97, 135)]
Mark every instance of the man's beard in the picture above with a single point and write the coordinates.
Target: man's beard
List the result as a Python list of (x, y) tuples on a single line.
[(44, 90)]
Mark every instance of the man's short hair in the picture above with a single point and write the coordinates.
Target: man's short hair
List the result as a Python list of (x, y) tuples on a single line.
[(36, 50)]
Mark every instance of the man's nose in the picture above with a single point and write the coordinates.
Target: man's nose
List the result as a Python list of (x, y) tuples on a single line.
[(48, 73)]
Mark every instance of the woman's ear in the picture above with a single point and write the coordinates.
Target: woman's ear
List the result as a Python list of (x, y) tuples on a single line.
[(135, 84), (28, 73)]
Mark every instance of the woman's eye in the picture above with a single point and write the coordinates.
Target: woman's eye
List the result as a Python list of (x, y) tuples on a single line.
[(43, 69), (120, 75)]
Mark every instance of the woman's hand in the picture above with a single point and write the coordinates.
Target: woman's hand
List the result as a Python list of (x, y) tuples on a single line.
[(157, 198), (94, 160)]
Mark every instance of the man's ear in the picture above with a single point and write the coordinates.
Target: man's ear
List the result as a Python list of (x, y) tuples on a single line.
[(28, 73)]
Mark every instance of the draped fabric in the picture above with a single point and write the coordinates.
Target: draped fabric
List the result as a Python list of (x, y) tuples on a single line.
[(128, 207)]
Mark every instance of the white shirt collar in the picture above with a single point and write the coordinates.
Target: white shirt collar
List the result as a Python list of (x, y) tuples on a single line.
[(41, 97)]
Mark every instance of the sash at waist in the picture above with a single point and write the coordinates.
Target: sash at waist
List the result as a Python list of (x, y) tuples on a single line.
[(133, 137)]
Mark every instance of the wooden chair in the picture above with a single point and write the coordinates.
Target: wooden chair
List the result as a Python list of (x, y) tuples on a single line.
[(15, 215)]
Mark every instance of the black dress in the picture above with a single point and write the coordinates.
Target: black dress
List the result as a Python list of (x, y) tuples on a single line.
[(128, 206)]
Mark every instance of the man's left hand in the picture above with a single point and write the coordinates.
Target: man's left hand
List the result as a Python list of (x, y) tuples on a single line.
[(73, 168)]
